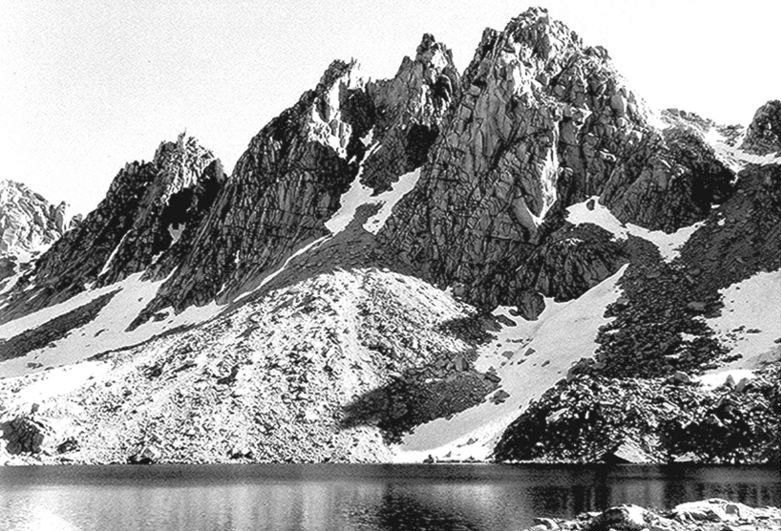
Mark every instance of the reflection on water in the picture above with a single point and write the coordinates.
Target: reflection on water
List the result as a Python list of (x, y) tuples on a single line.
[(344, 497)]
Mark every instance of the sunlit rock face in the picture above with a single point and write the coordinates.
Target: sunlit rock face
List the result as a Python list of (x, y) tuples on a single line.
[(28, 222), (290, 180), (543, 122), (388, 255), (149, 211)]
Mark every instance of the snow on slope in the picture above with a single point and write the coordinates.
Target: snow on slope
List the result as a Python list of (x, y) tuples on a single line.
[(530, 357), (55, 382), (749, 325), (669, 245), (271, 276), (359, 195), (402, 187), (106, 332), (732, 156), (110, 259)]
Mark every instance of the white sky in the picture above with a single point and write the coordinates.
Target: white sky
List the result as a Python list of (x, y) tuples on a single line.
[(87, 85)]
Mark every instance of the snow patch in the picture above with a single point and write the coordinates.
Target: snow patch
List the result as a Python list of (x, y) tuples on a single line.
[(359, 195), (732, 156), (108, 331), (268, 278), (7, 284), (107, 265), (368, 138), (56, 382), (355, 196), (530, 357), (712, 380), (389, 199), (669, 245), (750, 321), (176, 232)]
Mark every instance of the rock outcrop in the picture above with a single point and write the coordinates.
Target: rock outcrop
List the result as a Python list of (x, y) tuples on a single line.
[(528, 180), (24, 435), (597, 419), (543, 122), (283, 189), (409, 110), (706, 515), (764, 133), (290, 180), (29, 224), (152, 208), (623, 395)]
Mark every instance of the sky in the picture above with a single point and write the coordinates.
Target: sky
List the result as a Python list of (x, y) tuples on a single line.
[(86, 86)]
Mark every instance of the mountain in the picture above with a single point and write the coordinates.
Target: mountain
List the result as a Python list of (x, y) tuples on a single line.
[(29, 224), (520, 261)]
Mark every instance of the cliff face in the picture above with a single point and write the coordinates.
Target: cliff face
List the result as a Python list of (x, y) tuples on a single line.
[(544, 122), (147, 209), (289, 182), (29, 224), (401, 267), (764, 134)]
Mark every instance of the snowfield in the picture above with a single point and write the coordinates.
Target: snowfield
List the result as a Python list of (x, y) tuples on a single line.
[(732, 156), (749, 325), (669, 245), (108, 331), (359, 195), (530, 357)]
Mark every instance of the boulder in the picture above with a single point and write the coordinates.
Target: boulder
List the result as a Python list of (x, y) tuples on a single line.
[(622, 518), (24, 434), (680, 378), (148, 455), (763, 135), (68, 445), (630, 451), (697, 307), (715, 510), (500, 396)]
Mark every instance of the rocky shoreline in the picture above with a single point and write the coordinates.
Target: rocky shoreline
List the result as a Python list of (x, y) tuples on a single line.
[(706, 515)]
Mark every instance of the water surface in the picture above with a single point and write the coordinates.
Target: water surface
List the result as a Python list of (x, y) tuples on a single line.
[(347, 497)]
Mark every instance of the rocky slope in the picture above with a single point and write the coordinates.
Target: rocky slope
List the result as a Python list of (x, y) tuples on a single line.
[(436, 265), (150, 210), (29, 224), (289, 182), (544, 122), (706, 515)]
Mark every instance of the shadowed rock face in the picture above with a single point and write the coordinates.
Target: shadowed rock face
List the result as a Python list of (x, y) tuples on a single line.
[(148, 206), (764, 134), (409, 111), (283, 189), (537, 123), (290, 180), (543, 122)]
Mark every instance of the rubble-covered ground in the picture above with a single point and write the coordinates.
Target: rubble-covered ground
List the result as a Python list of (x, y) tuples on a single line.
[(707, 515), (329, 369), (651, 420)]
